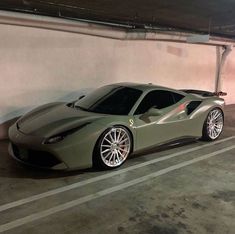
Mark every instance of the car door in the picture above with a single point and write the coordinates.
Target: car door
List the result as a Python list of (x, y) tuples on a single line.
[(168, 125)]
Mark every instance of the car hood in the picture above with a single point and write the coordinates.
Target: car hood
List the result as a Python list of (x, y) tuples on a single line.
[(54, 118)]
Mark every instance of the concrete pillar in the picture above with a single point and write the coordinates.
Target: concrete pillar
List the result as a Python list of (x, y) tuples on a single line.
[(221, 55)]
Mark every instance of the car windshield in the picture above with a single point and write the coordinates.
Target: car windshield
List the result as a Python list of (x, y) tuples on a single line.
[(114, 100)]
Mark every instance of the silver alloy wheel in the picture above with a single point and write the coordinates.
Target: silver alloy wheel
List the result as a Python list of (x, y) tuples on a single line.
[(215, 122), (115, 147)]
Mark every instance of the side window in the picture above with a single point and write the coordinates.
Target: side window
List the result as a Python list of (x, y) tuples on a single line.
[(159, 98), (177, 97)]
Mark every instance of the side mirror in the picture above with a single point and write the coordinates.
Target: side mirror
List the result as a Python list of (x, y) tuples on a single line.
[(153, 112), (73, 103)]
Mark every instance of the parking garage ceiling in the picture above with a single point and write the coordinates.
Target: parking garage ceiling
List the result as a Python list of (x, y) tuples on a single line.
[(214, 17)]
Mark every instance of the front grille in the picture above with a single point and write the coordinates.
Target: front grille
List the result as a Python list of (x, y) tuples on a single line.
[(43, 159), (34, 157)]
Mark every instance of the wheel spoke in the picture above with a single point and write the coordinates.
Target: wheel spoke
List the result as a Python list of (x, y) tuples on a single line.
[(217, 115), (107, 140), (111, 157), (106, 156), (123, 141), (118, 137), (215, 133), (123, 150), (121, 137), (107, 150), (114, 158), (120, 153), (111, 137), (118, 159), (105, 146), (115, 135)]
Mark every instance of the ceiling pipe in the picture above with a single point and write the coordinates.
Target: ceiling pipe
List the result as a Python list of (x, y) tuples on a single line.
[(112, 31)]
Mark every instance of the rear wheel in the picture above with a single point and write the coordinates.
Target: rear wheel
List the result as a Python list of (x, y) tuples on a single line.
[(113, 148), (213, 125)]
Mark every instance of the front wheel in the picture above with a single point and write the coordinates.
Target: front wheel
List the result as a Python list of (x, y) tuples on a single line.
[(213, 125), (113, 148)]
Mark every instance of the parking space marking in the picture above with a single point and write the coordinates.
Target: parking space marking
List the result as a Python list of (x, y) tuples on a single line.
[(105, 176), (76, 202)]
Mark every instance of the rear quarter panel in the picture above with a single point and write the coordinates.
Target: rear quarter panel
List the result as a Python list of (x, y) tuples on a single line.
[(200, 114)]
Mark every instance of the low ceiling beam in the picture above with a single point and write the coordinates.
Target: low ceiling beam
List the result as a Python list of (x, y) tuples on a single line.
[(112, 31)]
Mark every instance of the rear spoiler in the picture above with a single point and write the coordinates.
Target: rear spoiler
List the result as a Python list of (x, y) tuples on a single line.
[(220, 93), (204, 93)]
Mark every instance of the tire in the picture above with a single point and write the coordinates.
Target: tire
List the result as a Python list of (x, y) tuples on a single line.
[(213, 125), (113, 148)]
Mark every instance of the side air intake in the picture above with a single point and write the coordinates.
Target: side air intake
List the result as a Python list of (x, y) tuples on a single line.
[(192, 106)]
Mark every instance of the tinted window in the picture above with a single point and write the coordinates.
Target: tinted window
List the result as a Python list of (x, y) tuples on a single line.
[(116, 100), (159, 99), (177, 97), (192, 106)]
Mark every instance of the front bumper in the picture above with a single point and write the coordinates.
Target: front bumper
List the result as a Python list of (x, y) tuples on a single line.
[(74, 152), (33, 158)]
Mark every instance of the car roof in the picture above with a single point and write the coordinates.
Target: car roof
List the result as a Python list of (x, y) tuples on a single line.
[(146, 87)]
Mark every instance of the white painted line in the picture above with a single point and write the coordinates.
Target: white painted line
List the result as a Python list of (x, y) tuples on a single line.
[(105, 176), (71, 204)]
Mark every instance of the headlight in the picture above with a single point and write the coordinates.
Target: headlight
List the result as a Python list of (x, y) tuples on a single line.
[(54, 139), (59, 137)]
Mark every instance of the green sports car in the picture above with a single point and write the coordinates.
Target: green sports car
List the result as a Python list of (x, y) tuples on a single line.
[(103, 128)]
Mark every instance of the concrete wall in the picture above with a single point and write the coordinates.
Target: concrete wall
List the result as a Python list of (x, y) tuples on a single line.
[(39, 66)]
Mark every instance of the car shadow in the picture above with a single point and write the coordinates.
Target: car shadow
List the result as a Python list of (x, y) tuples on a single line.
[(10, 168), (164, 147)]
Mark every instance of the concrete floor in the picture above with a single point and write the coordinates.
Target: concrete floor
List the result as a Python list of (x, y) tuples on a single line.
[(195, 198)]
